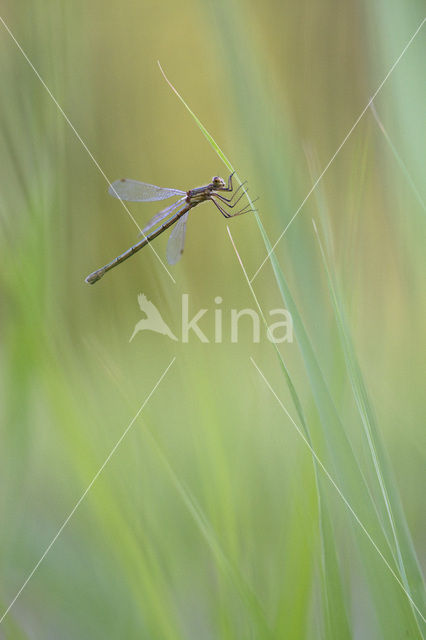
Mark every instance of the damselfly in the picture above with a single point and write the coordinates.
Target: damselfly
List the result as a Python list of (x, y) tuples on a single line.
[(135, 191)]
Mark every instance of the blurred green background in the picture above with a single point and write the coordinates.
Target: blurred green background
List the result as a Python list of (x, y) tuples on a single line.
[(211, 519)]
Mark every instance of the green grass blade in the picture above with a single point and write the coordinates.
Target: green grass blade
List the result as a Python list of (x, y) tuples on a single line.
[(397, 157)]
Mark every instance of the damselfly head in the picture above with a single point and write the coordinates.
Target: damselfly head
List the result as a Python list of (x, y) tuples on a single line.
[(218, 183)]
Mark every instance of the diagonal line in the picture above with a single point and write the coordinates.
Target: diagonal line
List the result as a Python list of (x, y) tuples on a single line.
[(345, 139), (330, 478), (80, 139), (86, 491)]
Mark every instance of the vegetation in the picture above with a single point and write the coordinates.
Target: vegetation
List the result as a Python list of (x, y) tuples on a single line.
[(260, 490)]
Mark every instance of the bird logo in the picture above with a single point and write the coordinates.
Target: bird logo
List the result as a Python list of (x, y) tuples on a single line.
[(153, 320)]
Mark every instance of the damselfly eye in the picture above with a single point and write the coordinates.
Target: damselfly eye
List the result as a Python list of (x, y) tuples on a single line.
[(218, 182)]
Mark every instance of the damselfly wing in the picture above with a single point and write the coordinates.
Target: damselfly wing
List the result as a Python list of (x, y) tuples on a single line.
[(161, 215), (135, 191), (176, 242)]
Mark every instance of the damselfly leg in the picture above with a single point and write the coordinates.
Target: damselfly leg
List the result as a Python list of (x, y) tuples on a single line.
[(227, 201), (229, 187), (245, 209), (234, 194)]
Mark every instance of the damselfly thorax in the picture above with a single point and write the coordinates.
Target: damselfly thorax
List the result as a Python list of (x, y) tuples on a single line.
[(175, 214), (199, 194)]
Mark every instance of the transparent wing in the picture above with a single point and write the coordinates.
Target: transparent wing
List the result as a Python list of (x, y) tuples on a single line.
[(176, 241), (135, 191), (162, 214)]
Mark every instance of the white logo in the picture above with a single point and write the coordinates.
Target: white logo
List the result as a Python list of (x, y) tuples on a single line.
[(224, 329)]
